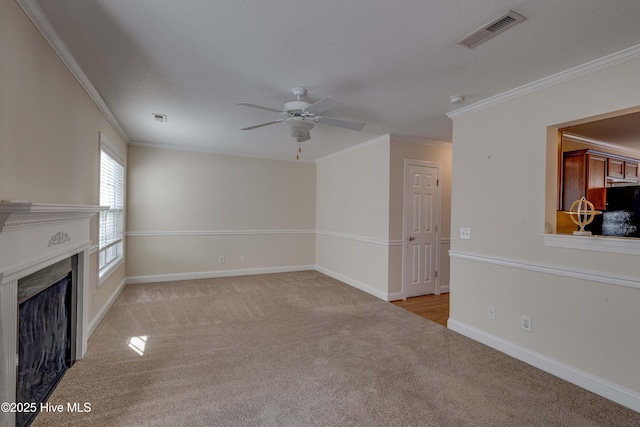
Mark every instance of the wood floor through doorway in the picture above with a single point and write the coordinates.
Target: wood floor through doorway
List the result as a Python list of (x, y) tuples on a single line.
[(432, 307)]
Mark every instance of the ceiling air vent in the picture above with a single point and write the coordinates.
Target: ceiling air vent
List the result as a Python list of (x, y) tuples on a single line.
[(492, 29), (162, 118)]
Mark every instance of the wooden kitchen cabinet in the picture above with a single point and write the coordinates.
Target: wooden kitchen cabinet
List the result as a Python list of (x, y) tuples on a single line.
[(587, 173), (584, 174), (631, 171), (625, 170), (616, 168)]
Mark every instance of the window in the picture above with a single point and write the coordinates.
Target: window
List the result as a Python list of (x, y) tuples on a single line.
[(110, 250)]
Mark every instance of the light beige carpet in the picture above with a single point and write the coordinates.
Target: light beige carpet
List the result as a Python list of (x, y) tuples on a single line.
[(301, 349)]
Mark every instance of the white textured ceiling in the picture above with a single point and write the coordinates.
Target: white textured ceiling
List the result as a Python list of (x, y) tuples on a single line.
[(394, 64)]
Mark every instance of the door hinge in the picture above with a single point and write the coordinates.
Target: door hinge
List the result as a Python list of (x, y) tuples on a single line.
[(436, 274), (436, 227), (437, 182)]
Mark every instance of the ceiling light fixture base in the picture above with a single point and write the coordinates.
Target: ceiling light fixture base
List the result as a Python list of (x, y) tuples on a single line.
[(298, 91)]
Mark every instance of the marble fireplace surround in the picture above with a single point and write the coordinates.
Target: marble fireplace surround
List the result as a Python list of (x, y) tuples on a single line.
[(32, 237)]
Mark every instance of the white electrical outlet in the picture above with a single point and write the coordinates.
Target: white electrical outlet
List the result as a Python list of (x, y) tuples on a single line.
[(242, 258), (525, 323), (491, 312), (221, 259), (465, 233)]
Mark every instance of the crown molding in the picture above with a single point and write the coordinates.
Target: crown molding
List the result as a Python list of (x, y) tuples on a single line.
[(419, 140), (193, 149), (601, 144), (39, 19), (391, 137), (605, 62), (385, 137)]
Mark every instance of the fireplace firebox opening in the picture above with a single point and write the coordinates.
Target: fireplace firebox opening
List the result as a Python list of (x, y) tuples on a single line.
[(46, 332)]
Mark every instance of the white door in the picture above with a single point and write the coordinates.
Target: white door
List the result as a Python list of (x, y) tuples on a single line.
[(421, 229)]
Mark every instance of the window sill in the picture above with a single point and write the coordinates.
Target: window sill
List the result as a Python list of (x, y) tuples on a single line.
[(106, 272), (619, 245)]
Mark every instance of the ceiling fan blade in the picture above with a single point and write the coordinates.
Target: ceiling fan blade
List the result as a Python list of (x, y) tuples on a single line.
[(262, 124), (339, 123), (246, 104), (324, 104)]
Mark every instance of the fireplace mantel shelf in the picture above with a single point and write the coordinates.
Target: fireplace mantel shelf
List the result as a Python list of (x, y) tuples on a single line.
[(17, 214)]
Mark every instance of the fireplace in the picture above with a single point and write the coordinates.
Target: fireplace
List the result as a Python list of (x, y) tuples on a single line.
[(46, 333), (49, 242)]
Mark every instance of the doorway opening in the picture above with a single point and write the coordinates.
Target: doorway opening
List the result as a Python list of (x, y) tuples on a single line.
[(421, 233)]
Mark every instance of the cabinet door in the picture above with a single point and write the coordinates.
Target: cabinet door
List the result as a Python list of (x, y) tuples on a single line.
[(597, 181), (631, 170), (616, 168), (597, 172), (574, 173)]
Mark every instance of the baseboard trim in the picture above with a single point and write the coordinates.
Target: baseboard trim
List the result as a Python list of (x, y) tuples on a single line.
[(599, 386), (395, 296), (213, 274), (105, 309), (355, 283)]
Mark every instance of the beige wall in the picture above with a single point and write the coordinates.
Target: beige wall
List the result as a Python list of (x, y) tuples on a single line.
[(502, 189), (360, 211), (353, 191), (352, 218), (187, 209), (49, 131)]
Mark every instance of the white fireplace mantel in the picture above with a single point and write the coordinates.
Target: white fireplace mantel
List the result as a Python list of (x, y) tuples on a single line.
[(34, 233), (34, 236)]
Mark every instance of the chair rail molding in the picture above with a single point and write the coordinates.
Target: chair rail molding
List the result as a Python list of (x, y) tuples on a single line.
[(558, 270)]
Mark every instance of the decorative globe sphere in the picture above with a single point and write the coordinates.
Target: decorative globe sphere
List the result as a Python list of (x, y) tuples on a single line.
[(582, 213)]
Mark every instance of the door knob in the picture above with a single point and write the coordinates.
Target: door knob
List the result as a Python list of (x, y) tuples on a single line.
[(411, 239)]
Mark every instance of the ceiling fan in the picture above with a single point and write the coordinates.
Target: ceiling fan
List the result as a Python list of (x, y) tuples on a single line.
[(301, 116)]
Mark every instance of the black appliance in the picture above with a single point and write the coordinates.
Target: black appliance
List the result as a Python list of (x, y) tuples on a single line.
[(622, 217)]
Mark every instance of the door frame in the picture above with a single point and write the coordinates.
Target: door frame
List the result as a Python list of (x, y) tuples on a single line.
[(405, 237)]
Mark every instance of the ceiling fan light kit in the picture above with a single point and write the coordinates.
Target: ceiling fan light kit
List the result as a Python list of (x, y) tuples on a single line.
[(301, 116), (299, 128)]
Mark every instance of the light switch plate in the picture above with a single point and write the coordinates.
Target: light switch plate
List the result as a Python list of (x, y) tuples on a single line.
[(465, 233)]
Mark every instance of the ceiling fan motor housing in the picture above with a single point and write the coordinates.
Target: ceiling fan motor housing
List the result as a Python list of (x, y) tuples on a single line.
[(301, 115), (295, 106)]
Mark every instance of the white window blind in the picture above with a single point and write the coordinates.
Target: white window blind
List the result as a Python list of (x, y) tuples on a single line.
[(112, 220)]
